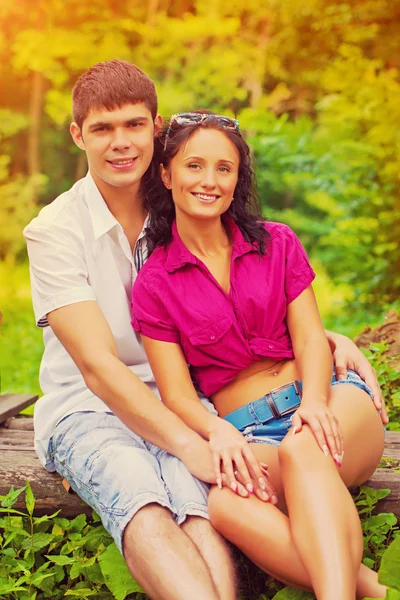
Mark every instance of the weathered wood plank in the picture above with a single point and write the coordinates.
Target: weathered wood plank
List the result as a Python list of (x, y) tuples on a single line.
[(21, 422), (12, 404), (387, 478), (17, 468), (19, 463)]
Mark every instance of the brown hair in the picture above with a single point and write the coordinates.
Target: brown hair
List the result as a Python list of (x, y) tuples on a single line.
[(112, 84)]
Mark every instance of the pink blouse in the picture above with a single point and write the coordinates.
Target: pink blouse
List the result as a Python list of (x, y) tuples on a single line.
[(176, 299)]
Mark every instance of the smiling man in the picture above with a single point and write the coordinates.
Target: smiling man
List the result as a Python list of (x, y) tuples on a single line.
[(100, 423)]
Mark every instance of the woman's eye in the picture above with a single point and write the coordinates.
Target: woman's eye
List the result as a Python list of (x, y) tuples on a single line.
[(194, 166), (224, 169)]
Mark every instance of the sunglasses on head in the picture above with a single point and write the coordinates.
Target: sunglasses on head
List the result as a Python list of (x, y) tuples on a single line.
[(191, 118)]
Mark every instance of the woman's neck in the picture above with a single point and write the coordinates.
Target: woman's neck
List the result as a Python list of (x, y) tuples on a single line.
[(202, 238)]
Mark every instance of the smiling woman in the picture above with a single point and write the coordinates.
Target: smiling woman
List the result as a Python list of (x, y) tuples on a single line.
[(230, 295), (203, 174)]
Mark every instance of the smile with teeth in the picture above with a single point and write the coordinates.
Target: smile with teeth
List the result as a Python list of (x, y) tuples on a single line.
[(205, 197), (121, 162)]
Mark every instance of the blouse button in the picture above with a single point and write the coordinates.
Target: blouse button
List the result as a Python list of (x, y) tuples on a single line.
[(212, 337), (270, 347)]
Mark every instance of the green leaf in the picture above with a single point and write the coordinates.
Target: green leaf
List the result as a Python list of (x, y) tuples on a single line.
[(77, 524), (289, 593), (37, 542), (61, 560), (81, 592), (116, 573), (29, 499), (368, 562), (389, 572), (10, 499)]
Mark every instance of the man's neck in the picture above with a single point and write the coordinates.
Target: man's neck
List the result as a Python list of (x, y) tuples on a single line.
[(126, 205)]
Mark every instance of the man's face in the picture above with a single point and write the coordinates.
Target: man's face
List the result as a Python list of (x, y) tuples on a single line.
[(119, 144)]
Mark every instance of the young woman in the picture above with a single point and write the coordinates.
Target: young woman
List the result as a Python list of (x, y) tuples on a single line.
[(230, 296)]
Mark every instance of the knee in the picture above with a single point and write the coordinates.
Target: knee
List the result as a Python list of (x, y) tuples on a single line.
[(294, 448), (148, 522)]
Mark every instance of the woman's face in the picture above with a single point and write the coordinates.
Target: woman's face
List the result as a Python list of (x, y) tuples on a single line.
[(203, 174)]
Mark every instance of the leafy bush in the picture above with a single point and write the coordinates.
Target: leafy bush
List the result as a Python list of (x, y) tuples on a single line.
[(54, 557), (389, 380)]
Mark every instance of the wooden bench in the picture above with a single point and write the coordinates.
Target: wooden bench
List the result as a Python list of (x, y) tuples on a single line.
[(19, 463)]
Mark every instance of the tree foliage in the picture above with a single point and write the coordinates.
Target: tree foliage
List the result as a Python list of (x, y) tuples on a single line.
[(315, 85)]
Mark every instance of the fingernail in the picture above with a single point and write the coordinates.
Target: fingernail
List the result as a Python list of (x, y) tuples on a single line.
[(219, 483), (341, 456), (242, 491), (264, 496), (250, 488), (325, 450), (261, 482), (294, 430), (274, 500), (234, 486)]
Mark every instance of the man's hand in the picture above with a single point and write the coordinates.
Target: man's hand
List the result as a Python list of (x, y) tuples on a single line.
[(346, 355)]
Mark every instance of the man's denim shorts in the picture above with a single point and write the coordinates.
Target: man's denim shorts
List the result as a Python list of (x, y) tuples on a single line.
[(117, 473), (274, 431)]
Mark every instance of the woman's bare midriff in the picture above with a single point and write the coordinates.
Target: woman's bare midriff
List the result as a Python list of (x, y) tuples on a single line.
[(253, 383)]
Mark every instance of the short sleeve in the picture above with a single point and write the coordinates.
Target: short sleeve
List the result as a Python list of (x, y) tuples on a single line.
[(149, 316), (299, 273), (58, 270)]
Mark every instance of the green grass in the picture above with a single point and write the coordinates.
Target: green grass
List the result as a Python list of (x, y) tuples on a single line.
[(21, 340)]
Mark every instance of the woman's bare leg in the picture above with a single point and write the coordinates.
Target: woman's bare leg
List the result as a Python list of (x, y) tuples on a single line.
[(265, 534)]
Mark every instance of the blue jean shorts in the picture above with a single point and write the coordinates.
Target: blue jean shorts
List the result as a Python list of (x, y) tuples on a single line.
[(116, 472), (274, 431)]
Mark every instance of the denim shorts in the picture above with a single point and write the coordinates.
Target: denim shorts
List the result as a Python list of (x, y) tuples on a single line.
[(274, 431), (116, 472)]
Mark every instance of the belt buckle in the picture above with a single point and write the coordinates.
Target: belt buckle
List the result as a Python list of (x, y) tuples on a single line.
[(279, 389)]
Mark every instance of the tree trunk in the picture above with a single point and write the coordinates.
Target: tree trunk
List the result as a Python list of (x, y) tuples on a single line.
[(35, 117)]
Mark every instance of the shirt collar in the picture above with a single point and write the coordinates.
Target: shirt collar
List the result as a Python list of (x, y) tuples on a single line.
[(178, 255), (102, 218)]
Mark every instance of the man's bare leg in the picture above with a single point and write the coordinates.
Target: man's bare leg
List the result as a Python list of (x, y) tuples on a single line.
[(215, 553), (164, 560)]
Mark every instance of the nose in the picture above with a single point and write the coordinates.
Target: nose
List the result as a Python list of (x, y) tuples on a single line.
[(120, 140), (208, 180)]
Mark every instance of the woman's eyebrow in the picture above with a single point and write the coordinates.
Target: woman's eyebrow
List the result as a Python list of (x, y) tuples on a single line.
[(226, 160)]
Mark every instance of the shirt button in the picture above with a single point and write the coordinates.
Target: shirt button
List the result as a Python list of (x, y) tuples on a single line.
[(212, 337), (270, 347)]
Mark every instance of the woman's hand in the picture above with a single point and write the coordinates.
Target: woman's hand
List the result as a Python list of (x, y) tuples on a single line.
[(347, 355), (324, 426), (231, 453)]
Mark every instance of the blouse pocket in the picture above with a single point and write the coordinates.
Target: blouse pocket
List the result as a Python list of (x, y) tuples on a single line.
[(211, 334)]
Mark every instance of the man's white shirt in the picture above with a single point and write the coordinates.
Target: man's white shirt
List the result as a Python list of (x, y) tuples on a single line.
[(79, 252)]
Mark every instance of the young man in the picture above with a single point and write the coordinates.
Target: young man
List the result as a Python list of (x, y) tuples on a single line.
[(100, 422)]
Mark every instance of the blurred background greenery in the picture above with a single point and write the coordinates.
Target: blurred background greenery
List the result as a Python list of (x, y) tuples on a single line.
[(314, 83)]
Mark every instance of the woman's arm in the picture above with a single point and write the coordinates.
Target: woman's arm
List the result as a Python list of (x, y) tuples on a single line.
[(314, 359), (179, 395)]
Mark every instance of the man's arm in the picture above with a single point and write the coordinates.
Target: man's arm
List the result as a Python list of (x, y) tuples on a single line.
[(346, 355), (85, 334)]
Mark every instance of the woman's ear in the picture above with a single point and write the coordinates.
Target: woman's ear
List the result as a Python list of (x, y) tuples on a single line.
[(165, 176)]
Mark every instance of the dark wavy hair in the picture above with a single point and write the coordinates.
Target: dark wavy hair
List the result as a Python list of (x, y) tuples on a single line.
[(244, 210)]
